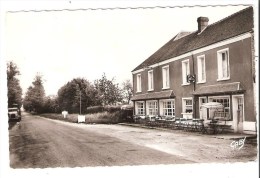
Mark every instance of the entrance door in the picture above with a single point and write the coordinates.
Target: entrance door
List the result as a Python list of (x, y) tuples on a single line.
[(203, 110), (238, 113)]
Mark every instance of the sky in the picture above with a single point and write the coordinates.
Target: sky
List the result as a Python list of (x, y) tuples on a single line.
[(62, 45)]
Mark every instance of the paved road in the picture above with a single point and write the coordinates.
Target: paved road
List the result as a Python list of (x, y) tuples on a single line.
[(36, 142)]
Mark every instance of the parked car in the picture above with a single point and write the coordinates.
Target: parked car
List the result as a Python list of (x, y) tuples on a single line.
[(14, 114)]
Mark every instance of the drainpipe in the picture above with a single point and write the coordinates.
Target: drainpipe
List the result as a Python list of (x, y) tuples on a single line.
[(194, 86)]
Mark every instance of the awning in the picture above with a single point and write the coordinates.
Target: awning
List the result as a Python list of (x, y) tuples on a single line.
[(154, 95), (228, 88)]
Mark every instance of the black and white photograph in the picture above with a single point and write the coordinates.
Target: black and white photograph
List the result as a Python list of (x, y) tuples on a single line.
[(127, 88)]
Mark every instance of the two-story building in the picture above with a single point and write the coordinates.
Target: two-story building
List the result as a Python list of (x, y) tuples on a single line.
[(216, 63)]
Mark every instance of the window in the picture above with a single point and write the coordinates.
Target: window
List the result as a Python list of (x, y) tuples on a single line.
[(168, 108), (166, 78), (201, 69), (150, 80), (152, 108), (185, 71), (187, 105), (140, 108), (224, 100), (138, 83), (223, 65)]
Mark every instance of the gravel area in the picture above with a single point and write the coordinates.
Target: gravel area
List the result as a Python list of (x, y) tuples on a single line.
[(191, 146)]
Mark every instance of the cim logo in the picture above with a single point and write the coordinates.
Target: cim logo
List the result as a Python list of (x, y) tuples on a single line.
[(238, 144)]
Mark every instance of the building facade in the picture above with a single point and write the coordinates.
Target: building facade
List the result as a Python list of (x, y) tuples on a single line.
[(216, 63)]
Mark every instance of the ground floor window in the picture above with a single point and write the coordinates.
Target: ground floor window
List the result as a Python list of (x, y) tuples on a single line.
[(152, 107), (224, 100), (168, 108), (140, 108), (187, 105)]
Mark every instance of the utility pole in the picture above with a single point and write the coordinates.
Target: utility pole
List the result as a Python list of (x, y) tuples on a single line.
[(79, 102), (79, 91)]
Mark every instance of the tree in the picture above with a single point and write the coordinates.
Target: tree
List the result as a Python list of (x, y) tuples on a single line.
[(109, 92), (13, 85), (77, 94), (127, 90), (34, 98), (51, 105)]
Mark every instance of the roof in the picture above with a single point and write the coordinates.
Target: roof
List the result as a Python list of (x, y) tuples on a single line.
[(154, 95), (231, 26), (180, 35), (220, 89)]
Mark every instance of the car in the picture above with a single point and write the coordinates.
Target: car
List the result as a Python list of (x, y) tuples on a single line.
[(14, 114)]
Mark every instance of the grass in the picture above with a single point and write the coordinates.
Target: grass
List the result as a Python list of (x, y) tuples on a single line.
[(69, 118)]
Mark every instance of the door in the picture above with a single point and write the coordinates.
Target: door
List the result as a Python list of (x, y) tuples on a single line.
[(203, 110), (238, 113)]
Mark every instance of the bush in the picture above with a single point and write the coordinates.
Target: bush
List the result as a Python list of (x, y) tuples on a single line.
[(98, 109), (103, 118), (112, 109), (98, 115), (95, 109)]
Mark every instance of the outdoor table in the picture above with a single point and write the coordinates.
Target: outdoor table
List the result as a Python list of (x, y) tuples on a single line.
[(160, 121), (196, 124), (214, 126), (170, 122)]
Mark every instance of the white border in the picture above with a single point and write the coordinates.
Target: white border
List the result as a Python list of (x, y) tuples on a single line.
[(188, 170)]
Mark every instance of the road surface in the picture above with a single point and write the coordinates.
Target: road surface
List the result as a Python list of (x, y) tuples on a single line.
[(37, 142)]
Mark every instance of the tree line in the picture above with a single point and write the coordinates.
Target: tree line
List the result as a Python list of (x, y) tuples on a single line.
[(75, 96)]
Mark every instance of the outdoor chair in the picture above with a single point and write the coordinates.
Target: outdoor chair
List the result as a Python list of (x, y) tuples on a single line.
[(183, 123), (150, 120), (136, 119), (161, 121), (187, 125), (192, 125), (142, 119), (169, 121), (177, 123), (199, 125)]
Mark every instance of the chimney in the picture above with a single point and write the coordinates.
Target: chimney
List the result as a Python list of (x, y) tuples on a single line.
[(202, 23)]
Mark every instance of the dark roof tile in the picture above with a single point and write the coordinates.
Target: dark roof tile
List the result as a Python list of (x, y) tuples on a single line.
[(220, 89), (154, 95), (233, 25)]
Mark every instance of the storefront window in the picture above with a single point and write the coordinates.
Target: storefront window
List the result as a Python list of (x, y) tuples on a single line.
[(225, 101)]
